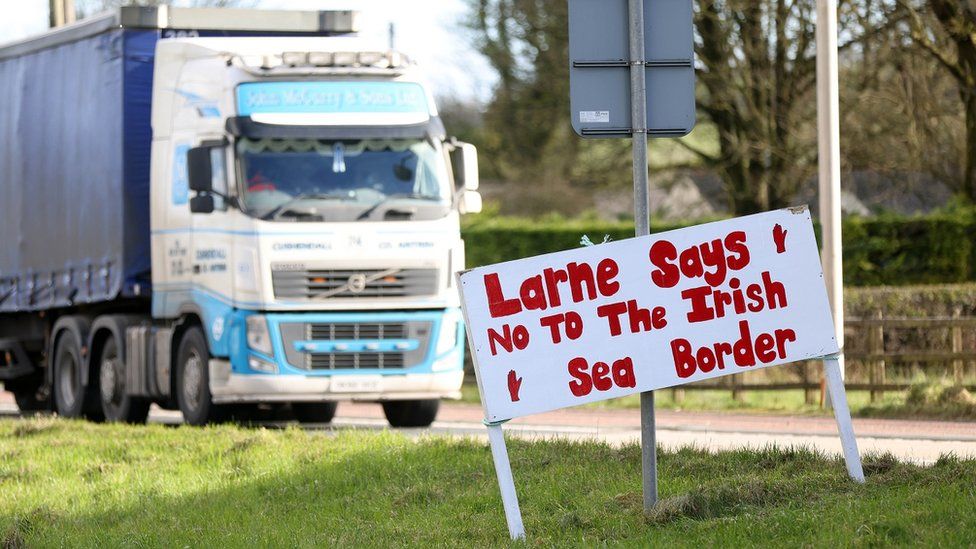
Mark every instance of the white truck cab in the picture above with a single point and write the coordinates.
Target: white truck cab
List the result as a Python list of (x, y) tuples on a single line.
[(305, 209)]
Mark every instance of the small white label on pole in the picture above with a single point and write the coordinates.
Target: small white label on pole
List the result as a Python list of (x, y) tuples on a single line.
[(594, 117), (647, 313)]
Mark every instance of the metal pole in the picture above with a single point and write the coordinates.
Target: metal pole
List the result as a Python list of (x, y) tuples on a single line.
[(55, 13), (506, 483), (838, 398), (828, 142), (638, 99), (60, 13)]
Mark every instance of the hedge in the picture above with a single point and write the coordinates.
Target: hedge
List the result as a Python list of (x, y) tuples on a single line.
[(928, 301), (935, 249)]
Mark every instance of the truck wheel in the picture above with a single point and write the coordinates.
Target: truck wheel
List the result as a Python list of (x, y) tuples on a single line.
[(411, 413), (314, 412), (116, 404), (193, 378), (69, 392)]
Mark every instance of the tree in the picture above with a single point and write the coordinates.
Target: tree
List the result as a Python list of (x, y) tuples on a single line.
[(900, 118), (756, 76), (946, 30), (758, 69), (526, 42)]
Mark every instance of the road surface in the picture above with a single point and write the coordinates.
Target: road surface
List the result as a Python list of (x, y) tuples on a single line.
[(911, 440)]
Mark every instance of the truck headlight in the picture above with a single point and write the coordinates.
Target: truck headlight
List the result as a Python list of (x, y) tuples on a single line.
[(258, 335), (447, 339)]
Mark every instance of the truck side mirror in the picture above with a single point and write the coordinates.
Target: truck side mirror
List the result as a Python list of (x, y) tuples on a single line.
[(470, 202), (202, 204), (464, 161), (199, 170)]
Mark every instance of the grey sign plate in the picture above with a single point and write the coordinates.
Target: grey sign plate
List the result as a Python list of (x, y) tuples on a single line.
[(599, 71)]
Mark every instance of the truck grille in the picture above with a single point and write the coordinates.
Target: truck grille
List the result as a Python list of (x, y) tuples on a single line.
[(331, 332), (357, 361), (354, 283), (418, 331)]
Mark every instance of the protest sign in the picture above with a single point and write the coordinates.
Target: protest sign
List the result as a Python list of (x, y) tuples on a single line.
[(610, 320)]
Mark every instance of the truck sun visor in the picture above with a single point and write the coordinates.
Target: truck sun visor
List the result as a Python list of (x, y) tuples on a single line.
[(245, 126)]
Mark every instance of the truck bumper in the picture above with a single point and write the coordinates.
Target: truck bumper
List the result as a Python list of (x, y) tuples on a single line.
[(227, 387), (375, 356)]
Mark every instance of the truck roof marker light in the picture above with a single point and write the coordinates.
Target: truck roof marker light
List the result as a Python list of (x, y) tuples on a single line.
[(321, 58), (346, 58), (373, 58), (295, 58)]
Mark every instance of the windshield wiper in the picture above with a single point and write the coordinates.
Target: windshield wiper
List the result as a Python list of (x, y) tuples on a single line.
[(388, 198), (273, 214)]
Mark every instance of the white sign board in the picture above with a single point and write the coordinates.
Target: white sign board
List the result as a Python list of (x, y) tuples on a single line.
[(641, 314)]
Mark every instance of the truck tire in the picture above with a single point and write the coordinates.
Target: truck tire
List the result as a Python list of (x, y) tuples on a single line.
[(314, 412), (69, 391), (193, 379), (411, 413), (116, 404)]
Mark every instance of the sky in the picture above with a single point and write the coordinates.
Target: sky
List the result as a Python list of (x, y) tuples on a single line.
[(428, 30)]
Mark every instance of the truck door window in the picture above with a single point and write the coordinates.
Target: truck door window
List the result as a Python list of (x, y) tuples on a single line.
[(218, 170)]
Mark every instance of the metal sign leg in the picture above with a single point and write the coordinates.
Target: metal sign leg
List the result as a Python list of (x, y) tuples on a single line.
[(648, 450), (506, 483), (838, 398)]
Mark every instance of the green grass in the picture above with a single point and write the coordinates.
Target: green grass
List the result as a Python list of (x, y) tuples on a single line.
[(81, 484)]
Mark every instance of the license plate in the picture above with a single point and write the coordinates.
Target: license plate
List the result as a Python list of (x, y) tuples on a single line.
[(356, 384)]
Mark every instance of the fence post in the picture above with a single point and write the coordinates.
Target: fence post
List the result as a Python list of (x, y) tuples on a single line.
[(677, 395), (957, 370), (877, 368), (809, 394), (736, 392)]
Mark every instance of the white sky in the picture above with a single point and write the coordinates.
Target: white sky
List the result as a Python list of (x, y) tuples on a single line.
[(428, 30)]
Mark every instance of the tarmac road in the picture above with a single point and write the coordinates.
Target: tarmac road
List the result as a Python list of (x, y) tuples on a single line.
[(911, 440)]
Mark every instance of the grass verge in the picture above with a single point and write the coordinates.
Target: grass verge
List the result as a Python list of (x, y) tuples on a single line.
[(80, 484)]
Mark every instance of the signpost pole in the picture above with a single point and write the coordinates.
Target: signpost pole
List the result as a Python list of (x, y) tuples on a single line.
[(828, 143), (506, 483), (638, 101), (838, 399)]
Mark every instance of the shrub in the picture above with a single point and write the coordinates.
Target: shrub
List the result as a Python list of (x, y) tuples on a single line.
[(878, 251)]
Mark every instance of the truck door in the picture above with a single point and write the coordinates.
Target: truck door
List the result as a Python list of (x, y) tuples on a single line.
[(212, 242)]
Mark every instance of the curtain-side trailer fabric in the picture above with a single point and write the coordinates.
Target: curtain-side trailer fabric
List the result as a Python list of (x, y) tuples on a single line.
[(74, 172)]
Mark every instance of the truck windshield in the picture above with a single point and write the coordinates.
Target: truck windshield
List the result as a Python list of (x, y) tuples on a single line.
[(369, 180)]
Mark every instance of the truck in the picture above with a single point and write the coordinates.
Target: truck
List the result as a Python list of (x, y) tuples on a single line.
[(215, 209)]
